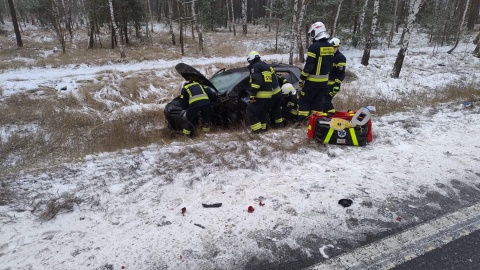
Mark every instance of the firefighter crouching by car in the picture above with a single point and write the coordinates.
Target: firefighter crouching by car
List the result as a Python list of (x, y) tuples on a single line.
[(337, 74), (195, 103), (289, 103), (314, 76), (260, 92), (275, 104)]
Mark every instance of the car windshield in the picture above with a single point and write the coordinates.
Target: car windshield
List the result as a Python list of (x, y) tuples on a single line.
[(223, 81)]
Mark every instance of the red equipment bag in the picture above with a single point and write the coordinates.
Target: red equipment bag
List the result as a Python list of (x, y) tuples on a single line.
[(320, 130)]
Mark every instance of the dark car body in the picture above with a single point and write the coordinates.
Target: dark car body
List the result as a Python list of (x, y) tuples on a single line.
[(228, 91)]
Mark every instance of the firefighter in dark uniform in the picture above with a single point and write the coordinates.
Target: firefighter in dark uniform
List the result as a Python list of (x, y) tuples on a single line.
[(195, 103), (289, 103), (275, 106), (337, 74), (314, 76), (260, 92)]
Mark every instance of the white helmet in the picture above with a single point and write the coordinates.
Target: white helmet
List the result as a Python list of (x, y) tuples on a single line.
[(318, 31), (335, 42), (288, 88), (253, 55)]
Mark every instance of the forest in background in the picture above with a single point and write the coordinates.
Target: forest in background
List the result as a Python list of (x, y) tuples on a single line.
[(360, 23)]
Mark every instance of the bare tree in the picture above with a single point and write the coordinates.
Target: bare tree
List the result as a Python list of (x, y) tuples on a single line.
[(460, 27), (362, 17), (197, 28), (270, 13), (115, 31), (233, 18), (413, 8), (332, 33), (244, 17), (359, 30), (371, 35), (394, 24), (293, 32), (13, 13), (476, 51), (301, 16), (170, 21)]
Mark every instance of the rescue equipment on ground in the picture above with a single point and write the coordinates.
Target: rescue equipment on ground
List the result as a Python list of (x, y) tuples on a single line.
[(342, 128)]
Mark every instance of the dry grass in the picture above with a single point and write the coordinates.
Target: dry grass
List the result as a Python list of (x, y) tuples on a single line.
[(353, 99), (48, 210), (95, 119)]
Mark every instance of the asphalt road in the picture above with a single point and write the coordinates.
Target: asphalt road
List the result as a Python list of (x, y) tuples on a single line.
[(451, 241), (461, 254)]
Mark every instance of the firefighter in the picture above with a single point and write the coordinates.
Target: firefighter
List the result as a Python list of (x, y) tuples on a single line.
[(337, 74), (314, 76), (289, 103), (260, 92), (275, 104), (195, 103)]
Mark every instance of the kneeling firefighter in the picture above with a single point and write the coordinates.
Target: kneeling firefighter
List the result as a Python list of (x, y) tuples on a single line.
[(289, 103), (195, 103)]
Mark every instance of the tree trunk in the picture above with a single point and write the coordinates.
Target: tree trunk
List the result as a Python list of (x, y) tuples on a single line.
[(460, 27), (197, 28), (233, 18), (91, 40), (473, 15), (244, 17), (13, 13), (301, 16), (170, 21), (293, 32), (393, 26), (147, 31), (371, 35), (332, 33), (414, 7), (359, 29), (114, 30), (476, 51)]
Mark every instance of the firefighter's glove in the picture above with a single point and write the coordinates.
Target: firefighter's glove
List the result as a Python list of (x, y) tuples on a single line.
[(301, 84), (252, 99), (334, 91), (183, 114)]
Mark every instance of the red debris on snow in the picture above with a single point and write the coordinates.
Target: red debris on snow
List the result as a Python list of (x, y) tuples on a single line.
[(184, 210), (261, 203), (399, 219), (250, 209)]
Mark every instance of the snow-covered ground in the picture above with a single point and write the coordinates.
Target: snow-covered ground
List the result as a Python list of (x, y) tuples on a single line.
[(123, 210)]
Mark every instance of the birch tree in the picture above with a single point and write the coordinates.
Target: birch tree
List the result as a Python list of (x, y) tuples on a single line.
[(476, 51), (301, 16), (413, 8), (460, 27), (359, 30), (13, 13), (332, 33), (293, 32), (371, 35), (197, 28), (115, 30)]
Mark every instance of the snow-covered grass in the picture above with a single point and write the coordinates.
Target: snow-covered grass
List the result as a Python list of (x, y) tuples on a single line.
[(114, 200)]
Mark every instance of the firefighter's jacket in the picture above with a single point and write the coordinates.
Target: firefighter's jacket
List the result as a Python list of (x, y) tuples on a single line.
[(337, 74), (318, 64), (260, 79), (193, 95)]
